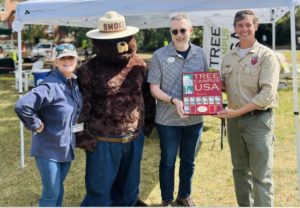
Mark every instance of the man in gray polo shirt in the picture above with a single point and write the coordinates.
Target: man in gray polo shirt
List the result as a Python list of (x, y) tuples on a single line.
[(176, 130)]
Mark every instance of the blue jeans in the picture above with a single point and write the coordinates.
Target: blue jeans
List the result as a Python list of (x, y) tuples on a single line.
[(53, 175), (113, 173), (172, 138)]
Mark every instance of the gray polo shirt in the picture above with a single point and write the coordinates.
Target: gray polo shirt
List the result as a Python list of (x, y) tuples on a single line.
[(166, 70)]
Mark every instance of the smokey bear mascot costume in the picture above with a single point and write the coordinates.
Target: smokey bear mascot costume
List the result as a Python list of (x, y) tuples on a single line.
[(117, 110)]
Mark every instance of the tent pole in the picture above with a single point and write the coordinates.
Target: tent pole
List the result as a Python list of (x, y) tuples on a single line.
[(20, 78), (295, 89), (273, 35)]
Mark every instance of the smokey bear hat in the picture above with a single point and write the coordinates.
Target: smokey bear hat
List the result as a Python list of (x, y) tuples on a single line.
[(112, 26)]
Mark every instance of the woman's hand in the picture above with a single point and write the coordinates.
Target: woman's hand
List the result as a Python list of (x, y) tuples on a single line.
[(41, 128)]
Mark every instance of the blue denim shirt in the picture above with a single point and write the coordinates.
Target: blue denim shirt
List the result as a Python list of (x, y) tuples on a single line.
[(57, 104)]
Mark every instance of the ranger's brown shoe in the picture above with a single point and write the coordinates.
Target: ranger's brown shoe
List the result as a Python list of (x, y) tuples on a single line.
[(166, 203), (186, 202)]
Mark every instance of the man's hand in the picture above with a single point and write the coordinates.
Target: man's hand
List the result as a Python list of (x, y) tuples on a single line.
[(228, 113), (231, 113), (179, 107), (148, 130)]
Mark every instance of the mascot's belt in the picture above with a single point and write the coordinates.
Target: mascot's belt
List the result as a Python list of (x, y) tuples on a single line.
[(124, 139)]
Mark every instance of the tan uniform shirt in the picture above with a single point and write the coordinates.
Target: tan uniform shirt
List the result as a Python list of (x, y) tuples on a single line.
[(251, 79)]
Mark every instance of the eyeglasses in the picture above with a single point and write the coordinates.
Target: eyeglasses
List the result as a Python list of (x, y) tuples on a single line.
[(175, 31), (62, 47)]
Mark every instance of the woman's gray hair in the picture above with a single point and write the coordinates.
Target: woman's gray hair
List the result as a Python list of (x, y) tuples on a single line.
[(181, 16)]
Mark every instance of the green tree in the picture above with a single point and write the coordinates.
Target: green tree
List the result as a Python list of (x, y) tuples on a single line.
[(152, 39), (33, 32), (197, 36), (77, 32), (283, 34)]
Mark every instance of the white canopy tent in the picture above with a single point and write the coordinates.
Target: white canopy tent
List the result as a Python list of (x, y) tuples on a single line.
[(143, 13), (153, 14)]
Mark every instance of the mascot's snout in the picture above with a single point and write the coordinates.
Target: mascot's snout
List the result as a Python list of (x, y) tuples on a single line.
[(122, 47)]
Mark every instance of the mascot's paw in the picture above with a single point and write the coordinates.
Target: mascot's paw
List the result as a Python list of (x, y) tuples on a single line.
[(148, 130), (140, 203), (88, 145)]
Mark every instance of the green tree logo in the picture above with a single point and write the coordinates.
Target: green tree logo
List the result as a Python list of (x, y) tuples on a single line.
[(188, 85)]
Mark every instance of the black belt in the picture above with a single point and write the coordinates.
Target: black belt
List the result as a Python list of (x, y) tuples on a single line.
[(257, 112)]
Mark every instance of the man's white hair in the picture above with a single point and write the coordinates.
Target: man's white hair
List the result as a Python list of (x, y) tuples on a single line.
[(181, 16)]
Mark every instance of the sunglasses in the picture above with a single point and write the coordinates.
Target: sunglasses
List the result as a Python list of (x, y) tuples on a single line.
[(175, 31), (62, 47)]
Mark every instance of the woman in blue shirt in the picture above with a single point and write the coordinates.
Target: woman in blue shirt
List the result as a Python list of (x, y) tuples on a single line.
[(50, 111)]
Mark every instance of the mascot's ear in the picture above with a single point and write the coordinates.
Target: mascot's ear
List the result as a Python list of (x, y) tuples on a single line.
[(132, 45)]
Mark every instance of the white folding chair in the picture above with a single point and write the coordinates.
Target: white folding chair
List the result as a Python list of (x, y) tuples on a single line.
[(27, 75)]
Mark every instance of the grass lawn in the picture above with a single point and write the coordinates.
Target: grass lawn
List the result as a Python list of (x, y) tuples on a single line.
[(212, 182), (288, 55)]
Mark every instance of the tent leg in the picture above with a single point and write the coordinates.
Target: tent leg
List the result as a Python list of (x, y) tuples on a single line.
[(273, 35), (22, 158), (295, 90)]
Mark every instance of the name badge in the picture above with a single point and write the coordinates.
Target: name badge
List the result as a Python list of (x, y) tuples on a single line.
[(78, 127), (171, 60)]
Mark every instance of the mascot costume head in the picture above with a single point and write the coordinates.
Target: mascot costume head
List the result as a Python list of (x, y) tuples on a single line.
[(113, 41)]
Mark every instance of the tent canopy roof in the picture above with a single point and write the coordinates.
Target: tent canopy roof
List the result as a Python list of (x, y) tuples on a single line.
[(143, 13)]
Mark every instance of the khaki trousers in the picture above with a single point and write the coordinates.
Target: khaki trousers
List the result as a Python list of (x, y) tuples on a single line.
[(251, 144)]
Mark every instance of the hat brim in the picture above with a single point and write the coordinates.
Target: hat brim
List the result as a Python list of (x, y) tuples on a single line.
[(95, 34), (67, 54)]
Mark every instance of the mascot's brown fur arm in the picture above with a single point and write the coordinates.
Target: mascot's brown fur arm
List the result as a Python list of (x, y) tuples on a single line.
[(150, 105), (149, 100), (85, 139)]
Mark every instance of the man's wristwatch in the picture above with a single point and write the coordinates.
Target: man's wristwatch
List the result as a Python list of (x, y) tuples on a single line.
[(171, 100)]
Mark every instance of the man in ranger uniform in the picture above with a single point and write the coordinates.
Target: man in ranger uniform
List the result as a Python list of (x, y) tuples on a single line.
[(250, 74)]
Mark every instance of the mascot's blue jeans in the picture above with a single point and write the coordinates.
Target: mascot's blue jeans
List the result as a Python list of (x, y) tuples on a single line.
[(113, 173), (172, 138)]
